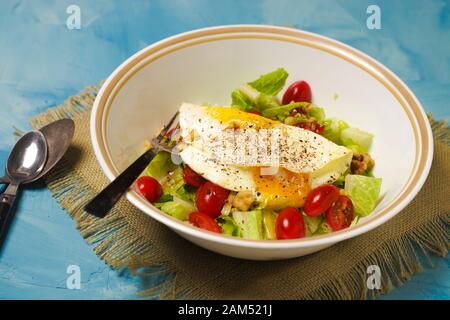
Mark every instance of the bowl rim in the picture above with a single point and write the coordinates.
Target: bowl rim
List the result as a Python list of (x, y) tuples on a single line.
[(402, 93)]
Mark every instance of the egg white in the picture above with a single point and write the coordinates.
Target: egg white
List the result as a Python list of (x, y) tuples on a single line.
[(300, 151)]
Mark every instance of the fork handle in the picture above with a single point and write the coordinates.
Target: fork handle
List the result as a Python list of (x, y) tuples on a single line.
[(105, 200)]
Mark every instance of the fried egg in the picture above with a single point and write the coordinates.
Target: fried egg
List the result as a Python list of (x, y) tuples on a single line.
[(241, 151)]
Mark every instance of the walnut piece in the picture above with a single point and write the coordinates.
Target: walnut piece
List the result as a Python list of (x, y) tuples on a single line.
[(303, 109), (243, 200), (361, 163)]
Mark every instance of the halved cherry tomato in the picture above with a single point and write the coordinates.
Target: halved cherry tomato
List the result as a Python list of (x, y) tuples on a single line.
[(169, 133), (289, 224), (299, 91), (254, 111), (150, 188), (320, 199), (192, 178), (210, 198), (319, 129), (340, 214), (203, 221), (308, 126)]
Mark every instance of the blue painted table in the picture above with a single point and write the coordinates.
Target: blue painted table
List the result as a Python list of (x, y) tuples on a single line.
[(42, 62)]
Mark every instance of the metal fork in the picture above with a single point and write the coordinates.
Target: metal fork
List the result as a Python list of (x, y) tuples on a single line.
[(105, 200)]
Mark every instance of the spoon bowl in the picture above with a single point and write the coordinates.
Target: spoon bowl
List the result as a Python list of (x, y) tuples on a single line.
[(58, 135), (27, 159)]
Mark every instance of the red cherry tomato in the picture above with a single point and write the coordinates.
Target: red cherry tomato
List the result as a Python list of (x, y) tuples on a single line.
[(210, 198), (340, 214), (289, 224), (308, 126), (319, 129), (299, 91), (204, 221), (150, 188), (254, 111), (320, 199), (169, 133), (192, 178)]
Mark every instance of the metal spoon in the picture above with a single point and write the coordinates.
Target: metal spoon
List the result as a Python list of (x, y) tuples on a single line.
[(58, 135), (26, 161)]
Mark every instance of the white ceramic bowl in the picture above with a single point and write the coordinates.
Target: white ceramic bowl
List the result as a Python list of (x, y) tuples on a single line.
[(206, 65)]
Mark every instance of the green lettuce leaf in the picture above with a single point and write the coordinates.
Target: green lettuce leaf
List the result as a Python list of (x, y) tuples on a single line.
[(164, 198), (356, 148), (292, 121), (239, 100), (340, 182), (229, 226), (333, 129), (265, 102), (173, 182), (250, 223), (318, 113), (176, 210), (312, 224), (364, 192), (261, 93), (186, 192), (356, 137), (249, 98), (269, 221), (281, 112), (271, 83), (160, 165), (323, 228)]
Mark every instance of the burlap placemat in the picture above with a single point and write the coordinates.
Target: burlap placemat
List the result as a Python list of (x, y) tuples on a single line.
[(127, 238)]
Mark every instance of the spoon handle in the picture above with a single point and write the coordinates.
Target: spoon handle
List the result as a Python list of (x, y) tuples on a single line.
[(6, 203), (105, 200)]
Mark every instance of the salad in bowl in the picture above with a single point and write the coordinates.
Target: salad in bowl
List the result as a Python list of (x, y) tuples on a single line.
[(264, 168)]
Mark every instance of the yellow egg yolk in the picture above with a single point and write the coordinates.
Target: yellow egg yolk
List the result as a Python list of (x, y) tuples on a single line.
[(235, 118), (282, 189)]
